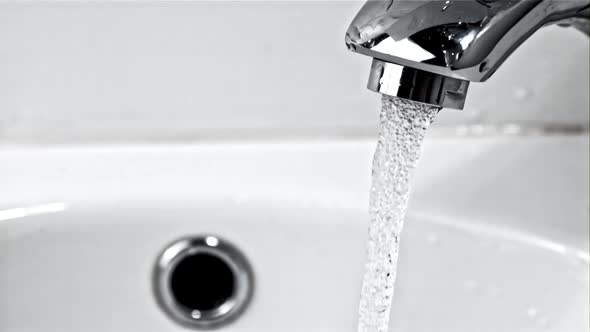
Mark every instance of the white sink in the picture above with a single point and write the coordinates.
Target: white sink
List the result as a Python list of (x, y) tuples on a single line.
[(496, 237)]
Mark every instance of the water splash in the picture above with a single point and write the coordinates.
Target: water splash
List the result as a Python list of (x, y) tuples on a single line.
[(403, 125)]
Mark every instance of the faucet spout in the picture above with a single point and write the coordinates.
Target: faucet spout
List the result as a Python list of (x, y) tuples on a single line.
[(429, 50)]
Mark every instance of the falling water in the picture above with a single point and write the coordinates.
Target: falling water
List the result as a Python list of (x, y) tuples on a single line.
[(403, 125)]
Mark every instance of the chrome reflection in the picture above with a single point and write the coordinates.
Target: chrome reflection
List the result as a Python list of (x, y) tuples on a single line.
[(229, 308), (26, 211)]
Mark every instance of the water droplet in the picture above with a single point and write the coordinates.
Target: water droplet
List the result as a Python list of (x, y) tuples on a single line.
[(306, 203), (240, 198), (473, 113), (582, 257), (478, 129), (532, 312), (462, 130), (511, 129), (447, 4), (483, 67), (212, 241), (522, 94), (543, 321), (485, 244), (492, 291), (470, 285), (196, 314), (432, 239), (505, 247)]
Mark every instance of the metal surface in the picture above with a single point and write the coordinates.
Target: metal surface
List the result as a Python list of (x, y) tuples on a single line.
[(214, 246), (417, 85), (467, 39)]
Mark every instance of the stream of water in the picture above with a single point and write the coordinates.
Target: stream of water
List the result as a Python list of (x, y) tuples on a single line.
[(403, 124)]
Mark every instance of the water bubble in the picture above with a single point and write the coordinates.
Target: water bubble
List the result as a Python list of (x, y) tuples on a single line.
[(403, 126)]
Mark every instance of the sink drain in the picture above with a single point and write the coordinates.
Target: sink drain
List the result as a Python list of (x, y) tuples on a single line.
[(203, 282)]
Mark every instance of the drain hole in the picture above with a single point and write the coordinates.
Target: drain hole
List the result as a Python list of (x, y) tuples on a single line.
[(202, 282)]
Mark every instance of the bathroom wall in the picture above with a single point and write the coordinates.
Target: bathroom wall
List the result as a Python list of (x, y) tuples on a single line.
[(142, 71)]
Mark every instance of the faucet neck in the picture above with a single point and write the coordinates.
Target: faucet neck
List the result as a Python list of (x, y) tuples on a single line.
[(444, 44), (464, 39)]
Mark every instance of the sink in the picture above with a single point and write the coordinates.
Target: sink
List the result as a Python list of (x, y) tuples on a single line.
[(496, 237)]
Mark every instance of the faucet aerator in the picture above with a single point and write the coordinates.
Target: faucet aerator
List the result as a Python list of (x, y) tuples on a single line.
[(428, 51), (417, 85)]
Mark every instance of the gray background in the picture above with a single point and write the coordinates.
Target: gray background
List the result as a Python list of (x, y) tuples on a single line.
[(142, 71)]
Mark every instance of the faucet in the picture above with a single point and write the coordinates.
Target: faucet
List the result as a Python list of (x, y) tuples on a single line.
[(430, 50)]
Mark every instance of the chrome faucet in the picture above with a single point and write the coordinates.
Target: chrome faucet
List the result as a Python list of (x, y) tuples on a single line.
[(429, 51)]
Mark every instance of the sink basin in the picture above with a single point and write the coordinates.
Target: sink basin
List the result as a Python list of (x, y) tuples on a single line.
[(496, 237)]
